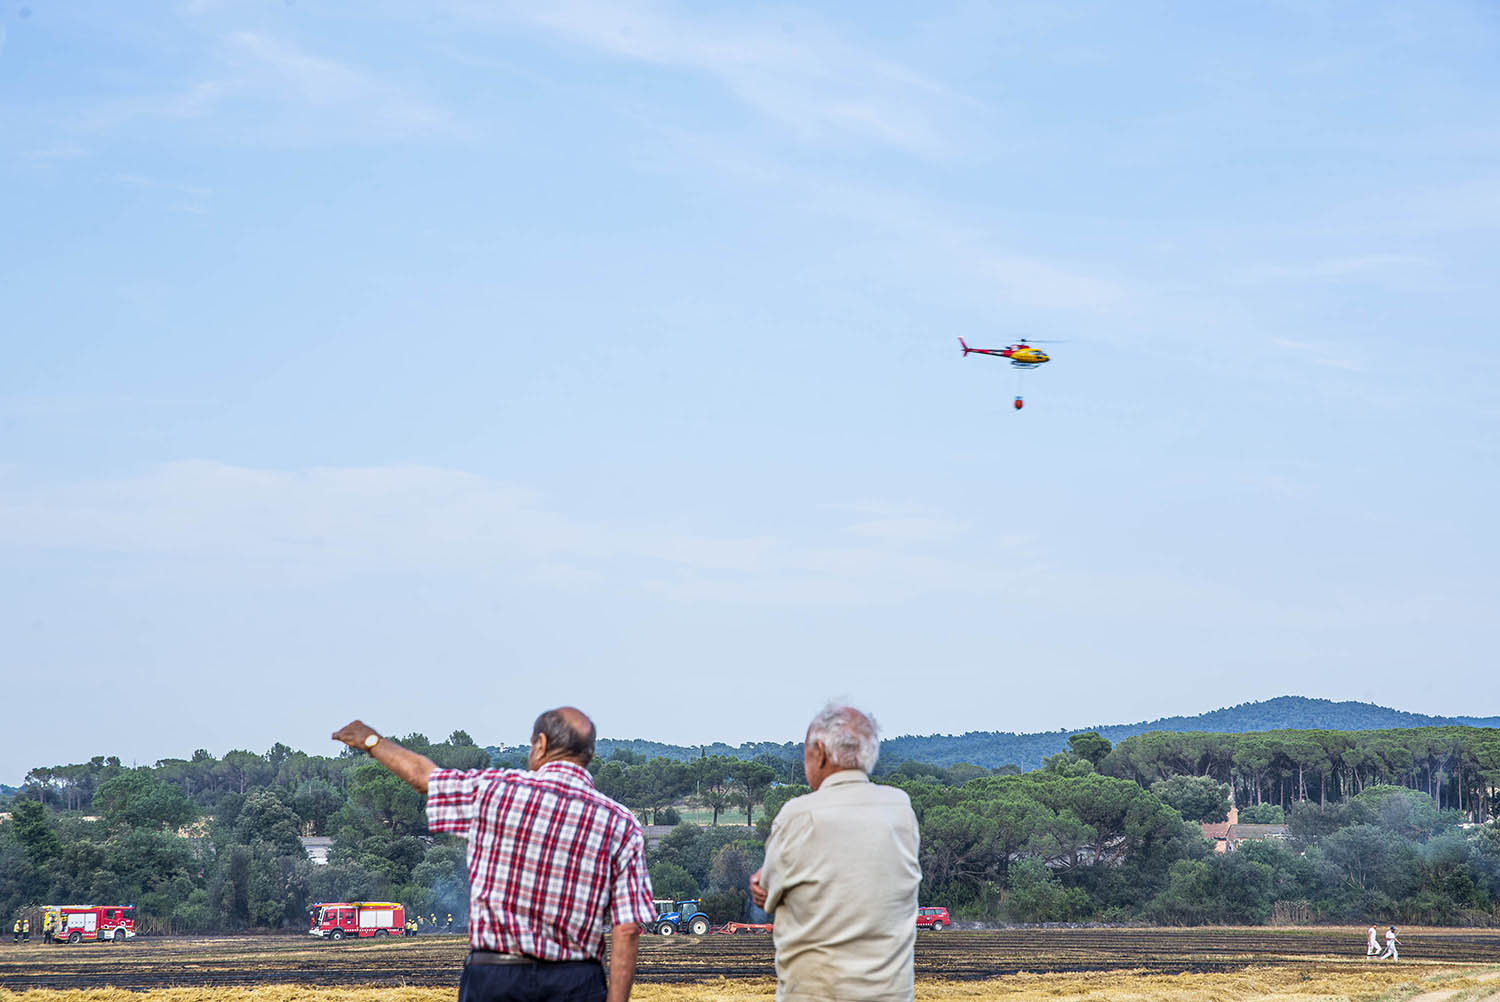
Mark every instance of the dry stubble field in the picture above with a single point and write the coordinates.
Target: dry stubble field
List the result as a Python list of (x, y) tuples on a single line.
[(1057, 965)]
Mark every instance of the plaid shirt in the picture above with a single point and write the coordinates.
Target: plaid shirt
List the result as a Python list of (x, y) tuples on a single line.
[(552, 861)]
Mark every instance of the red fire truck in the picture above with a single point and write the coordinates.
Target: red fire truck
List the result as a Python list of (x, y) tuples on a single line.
[(101, 923), (337, 919)]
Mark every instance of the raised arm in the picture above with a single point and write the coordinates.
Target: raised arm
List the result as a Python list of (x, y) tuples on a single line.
[(406, 764)]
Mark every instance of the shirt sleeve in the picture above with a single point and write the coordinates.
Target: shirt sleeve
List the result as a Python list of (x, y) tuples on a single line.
[(630, 897), (453, 798)]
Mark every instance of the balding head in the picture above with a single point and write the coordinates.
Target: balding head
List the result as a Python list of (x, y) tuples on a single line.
[(565, 733), (839, 738)]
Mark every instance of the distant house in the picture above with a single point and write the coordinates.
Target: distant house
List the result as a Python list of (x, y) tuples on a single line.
[(316, 847), (1217, 832), (1256, 833), (1225, 835)]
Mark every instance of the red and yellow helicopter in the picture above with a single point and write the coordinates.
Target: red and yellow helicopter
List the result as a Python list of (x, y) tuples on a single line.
[(1021, 355)]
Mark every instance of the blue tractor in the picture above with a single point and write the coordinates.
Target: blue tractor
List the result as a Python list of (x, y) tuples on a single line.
[(673, 917)]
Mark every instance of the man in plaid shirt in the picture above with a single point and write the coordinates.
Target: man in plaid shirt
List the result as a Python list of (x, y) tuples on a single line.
[(552, 862)]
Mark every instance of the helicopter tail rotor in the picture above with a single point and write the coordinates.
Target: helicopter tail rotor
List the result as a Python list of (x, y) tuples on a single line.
[(965, 346)]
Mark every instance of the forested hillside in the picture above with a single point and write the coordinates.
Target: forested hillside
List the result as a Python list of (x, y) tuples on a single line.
[(996, 748), (1284, 713), (1389, 824)]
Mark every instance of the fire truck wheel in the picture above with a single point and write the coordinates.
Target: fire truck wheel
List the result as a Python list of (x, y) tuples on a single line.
[(381, 932), (336, 934), (119, 935), (937, 926), (75, 936)]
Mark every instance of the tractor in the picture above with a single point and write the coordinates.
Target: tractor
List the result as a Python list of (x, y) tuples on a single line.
[(673, 917)]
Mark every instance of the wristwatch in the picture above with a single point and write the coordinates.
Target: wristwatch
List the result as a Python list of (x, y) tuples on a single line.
[(371, 742)]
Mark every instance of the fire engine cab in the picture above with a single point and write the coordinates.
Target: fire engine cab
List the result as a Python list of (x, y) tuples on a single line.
[(338, 919), (101, 923)]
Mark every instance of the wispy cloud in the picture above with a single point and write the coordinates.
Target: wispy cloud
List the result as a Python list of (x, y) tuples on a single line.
[(910, 233), (192, 196), (817, 85), (49, 155), (909, 530), (277, 91), (1355, 267), (1317, 354), (333, 522), (900, 523)]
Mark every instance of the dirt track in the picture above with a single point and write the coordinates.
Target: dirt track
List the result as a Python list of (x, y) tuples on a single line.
[(949, 955)]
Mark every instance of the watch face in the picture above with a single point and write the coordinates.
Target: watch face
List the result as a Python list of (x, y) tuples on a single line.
[(372, 740)]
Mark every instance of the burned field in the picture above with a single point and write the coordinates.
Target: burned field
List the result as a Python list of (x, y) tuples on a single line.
[(947, 956)]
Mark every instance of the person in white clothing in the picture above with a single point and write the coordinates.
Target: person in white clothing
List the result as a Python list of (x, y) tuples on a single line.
[(843, 865), (1390, 944), (1372, 948)]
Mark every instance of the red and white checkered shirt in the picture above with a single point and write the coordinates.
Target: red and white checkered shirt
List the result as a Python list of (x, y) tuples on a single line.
[(552, 861)]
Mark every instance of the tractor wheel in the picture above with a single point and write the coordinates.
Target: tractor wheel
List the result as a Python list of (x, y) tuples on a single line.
[(336, 934), (667, 929), (699, 926), (75, 936), (119, 935), (937, 927)]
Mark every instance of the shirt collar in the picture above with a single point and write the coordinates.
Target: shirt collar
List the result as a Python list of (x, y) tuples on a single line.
[(842, 777), (562, 767)]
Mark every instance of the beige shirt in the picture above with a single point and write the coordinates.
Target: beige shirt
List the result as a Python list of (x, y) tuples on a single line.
[(841, 875)]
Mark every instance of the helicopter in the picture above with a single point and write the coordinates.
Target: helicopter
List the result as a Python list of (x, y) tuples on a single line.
[(1021, 355)]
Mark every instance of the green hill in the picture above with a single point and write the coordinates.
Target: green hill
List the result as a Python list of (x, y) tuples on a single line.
[(996, 748), (993, 748)]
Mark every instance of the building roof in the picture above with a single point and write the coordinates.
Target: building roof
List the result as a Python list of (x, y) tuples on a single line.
[(1215, 830), (1237, 832), (316, 847)]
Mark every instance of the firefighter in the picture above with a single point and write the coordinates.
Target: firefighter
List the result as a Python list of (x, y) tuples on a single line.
[(46, 927), (16, 930), (26, 929), (432, 920), (450, 922)]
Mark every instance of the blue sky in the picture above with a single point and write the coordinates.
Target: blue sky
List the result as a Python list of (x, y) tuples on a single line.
[(440, 362)]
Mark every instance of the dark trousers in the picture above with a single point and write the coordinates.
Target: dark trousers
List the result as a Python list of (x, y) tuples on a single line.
[(538, 981)]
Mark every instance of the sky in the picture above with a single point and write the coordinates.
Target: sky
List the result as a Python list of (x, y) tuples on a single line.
[(435, 363)]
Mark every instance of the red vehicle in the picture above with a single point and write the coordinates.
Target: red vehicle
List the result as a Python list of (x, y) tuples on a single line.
[(935, 919), (340, 919), (100, 923)]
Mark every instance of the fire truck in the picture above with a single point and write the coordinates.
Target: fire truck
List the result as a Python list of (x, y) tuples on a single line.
[(100, 923), (338, 919)]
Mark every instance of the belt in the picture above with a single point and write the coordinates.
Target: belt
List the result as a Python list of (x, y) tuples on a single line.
[(489, 957), (492, 957)]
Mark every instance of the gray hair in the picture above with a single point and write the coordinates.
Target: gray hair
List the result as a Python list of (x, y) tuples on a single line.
[(851, 738)]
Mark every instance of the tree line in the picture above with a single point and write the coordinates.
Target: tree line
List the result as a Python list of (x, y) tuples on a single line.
[(1458, 767), (1385, 825), (211, 843)]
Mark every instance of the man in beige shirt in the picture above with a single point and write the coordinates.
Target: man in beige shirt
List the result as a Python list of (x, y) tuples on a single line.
[(841, 874)]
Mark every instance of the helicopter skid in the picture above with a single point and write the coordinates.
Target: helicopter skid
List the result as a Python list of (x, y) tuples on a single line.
[(1026, 365)]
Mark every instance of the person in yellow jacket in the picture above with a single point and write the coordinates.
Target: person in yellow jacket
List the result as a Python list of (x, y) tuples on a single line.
[(46, 927), (26, 929), (16, 930)]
